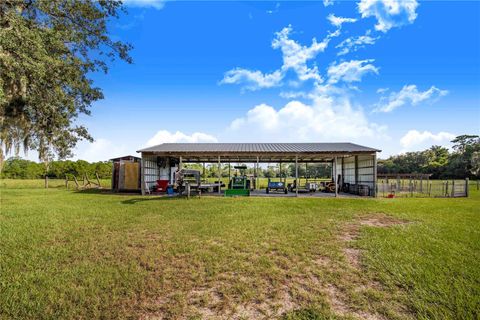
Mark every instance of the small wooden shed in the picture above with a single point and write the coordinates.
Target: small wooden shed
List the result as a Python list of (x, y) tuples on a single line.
[(126, 173)]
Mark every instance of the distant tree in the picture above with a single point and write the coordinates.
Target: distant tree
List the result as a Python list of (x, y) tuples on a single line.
[(48, 48), (464, 160)]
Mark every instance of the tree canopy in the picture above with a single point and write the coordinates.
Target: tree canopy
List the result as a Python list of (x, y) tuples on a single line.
[(48, 49), (462, 162)]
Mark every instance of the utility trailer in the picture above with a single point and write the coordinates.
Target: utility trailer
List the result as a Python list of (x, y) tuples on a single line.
[(278, 186)]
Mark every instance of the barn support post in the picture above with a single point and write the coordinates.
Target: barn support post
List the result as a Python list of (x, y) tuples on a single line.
[(297, 184), (203, 173), (180, 163), (113, 175), (355, 190), (280, 170), (256, 174), (335, 178), (142, 176), (466, 187), (219, 176), (374, 175)]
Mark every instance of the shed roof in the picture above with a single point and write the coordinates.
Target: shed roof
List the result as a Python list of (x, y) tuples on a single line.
[(129, 157), (292, 148)]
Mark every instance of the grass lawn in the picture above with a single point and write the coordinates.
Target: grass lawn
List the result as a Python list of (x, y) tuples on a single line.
[(84, 255)]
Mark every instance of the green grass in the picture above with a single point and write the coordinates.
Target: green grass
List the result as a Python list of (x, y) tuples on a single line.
[(84, 255), (52, 183)]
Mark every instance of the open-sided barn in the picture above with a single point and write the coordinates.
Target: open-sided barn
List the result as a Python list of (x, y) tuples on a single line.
[(351, 163)]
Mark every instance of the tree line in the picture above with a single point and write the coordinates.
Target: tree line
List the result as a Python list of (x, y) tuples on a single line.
[(462, 162), (272, 170), (17, 168)]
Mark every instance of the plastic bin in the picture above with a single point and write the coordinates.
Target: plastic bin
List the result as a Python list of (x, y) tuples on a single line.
[(162, 185)]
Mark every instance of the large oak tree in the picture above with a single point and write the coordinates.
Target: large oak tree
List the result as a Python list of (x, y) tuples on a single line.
[(48, 50)]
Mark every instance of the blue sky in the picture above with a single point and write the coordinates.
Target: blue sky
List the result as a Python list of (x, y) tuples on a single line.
[(396, 75)]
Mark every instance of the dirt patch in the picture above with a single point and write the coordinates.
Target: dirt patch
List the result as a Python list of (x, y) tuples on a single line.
[(338, 304), (353, 256), (351, 231), (210, 303), (381, 221), (337, 300), (348, 235)]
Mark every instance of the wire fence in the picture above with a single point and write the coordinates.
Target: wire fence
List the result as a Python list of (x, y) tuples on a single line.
[(422, 188)]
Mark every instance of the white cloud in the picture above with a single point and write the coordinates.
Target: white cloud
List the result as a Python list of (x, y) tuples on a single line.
[(156, 4), (338, 21), (99, 150), (382, 90), (408, 95), (414, 139), (355, 43), (295, 57), (389, 13), (327, 3), (277, 7), (164, 136), (254, 80), (327, 117), (350, 71)]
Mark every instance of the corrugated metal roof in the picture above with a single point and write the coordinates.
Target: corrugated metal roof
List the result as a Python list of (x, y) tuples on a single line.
[(332, 147)]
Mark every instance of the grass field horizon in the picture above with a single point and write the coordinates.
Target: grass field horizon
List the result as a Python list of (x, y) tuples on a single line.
[(89, 254)]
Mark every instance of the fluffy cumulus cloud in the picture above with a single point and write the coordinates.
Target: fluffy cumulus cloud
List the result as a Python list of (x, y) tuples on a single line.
[(295, 57), (350, 71), (389, 13), (326, 117), (164, 136), (338, 21), (409, 95), (416, 140), (156, 4)]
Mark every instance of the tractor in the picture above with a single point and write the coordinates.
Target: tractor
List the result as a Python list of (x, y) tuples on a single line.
[(239, 184)]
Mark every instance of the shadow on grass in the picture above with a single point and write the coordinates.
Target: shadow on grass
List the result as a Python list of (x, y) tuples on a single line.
[(148, 198), (97, 191)]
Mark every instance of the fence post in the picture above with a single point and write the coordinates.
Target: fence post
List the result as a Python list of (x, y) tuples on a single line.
[(466, 187), (446, 189), (411, 187), (453, 188)]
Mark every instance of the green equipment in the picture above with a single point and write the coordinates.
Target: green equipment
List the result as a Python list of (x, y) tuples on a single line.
[(239, 184)]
